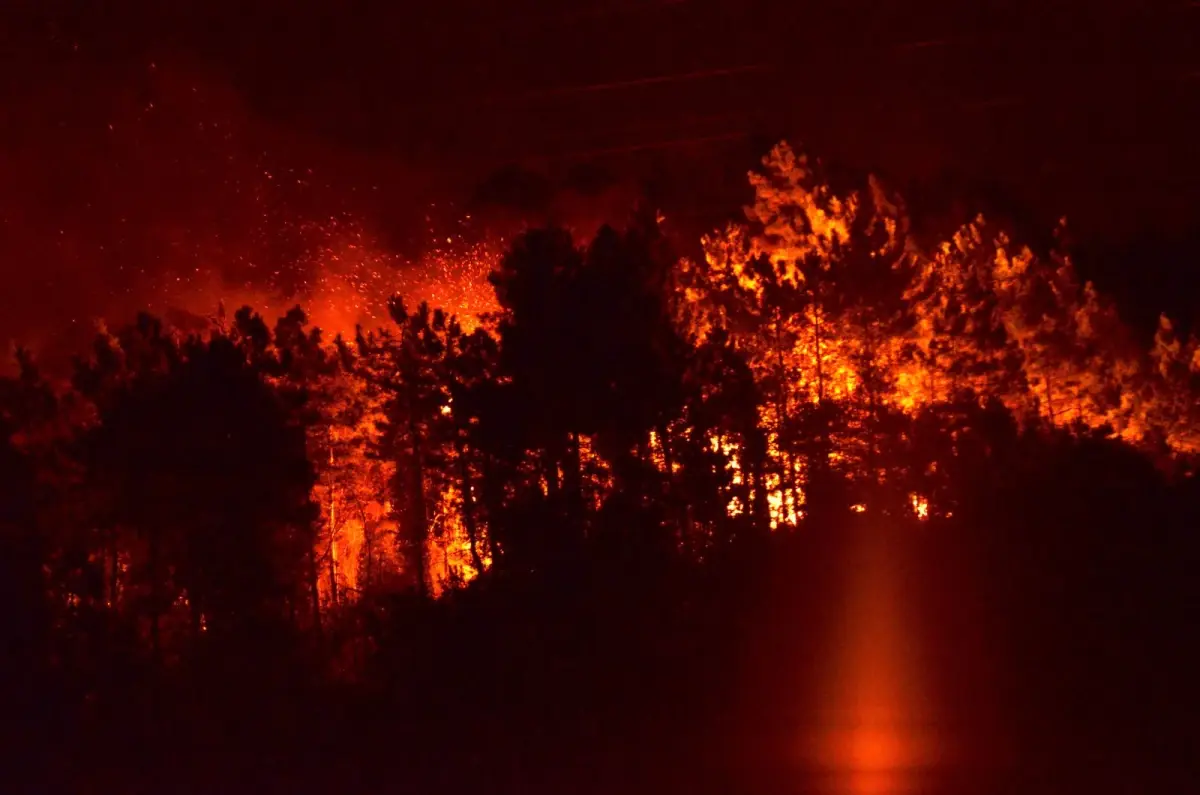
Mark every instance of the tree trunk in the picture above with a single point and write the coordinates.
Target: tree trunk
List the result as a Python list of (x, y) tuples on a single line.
[(817, 349), (333, 594), (369, 528), (759, 510), (787, 480), (489, 505), (197, 615), (155, 597), (468, 503), (872, 411), (314, 587), (955, 365), (550, 473), (333, 589), (573, 484), (114, 552), (1049, 397), (418, 529)]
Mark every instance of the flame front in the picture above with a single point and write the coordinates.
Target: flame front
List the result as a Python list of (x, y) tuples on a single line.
[(834, 311), (850, 335)]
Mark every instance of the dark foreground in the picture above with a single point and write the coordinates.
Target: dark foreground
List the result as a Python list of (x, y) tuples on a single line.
[(862, 662)]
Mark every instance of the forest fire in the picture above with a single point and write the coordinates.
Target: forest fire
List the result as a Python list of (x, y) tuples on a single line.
[(956, 323), (818, 368), (977, 319), (844, 324), (504, 398), (344, 277)]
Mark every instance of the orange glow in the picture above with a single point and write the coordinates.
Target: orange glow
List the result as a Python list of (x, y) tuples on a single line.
[(449, 547), (874, 740), (349, 275), (976, 317), (807, 351), (816, 350), (920, 506)]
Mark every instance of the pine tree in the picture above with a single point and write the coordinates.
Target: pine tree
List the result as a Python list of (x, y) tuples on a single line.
[(595, 398), (1169, 403), (406, 365), (26, 407), (179, 453), (960, 342), (471, 365)]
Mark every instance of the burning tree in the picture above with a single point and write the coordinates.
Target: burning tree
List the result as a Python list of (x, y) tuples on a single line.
[(849, 327), (623, 405)]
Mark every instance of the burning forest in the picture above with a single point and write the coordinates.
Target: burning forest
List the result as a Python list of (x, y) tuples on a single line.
[(398, 465)]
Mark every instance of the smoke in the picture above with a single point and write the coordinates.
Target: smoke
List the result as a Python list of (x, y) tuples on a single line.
[(158, 188)]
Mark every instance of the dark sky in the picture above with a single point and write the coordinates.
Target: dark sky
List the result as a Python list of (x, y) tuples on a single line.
[(1073, 103), (374, 109)]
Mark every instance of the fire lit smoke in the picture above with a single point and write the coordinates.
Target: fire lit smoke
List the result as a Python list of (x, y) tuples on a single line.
[(156, 187), (345, 277)]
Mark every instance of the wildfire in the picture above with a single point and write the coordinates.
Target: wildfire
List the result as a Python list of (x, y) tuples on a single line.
[(817, 351), (830, 305), (834, 307), (449, 548)]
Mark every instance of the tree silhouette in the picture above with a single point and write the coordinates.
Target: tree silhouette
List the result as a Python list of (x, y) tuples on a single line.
[(407, 365), (470, 367), (26, 625), (203, 464), (575, 519), (582, 377)]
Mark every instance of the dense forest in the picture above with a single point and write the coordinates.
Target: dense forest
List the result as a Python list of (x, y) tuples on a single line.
[(510, 549)]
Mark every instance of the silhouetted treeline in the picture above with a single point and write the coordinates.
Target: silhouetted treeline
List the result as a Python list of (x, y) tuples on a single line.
[(611, 516)]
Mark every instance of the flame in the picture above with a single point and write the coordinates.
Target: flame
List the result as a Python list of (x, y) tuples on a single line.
[(976, 316), (449, 547), (815, 353), (920, 506)]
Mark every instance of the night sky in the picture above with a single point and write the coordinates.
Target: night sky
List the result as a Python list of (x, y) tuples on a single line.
[(147, 142)]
